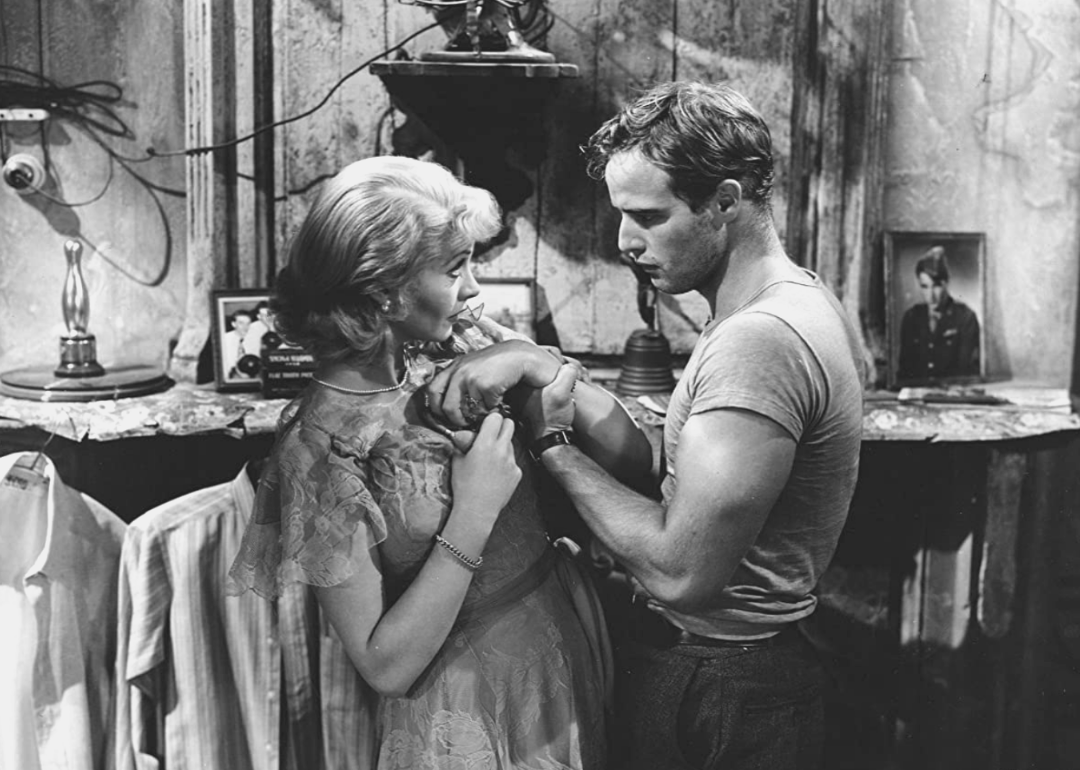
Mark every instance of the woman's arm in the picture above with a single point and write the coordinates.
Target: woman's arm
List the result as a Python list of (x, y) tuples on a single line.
[(510, 370), (391, 646)]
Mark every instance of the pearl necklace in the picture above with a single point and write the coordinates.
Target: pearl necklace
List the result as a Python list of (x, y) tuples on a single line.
[(355, 392)]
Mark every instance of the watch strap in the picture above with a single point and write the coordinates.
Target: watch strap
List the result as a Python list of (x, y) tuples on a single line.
[(546, 442)]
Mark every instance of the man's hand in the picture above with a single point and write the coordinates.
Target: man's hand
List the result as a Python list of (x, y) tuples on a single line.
[(477, 382), (551, 408)]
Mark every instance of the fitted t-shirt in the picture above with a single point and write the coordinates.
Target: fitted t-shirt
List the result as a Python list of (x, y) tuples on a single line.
[(791, 355)]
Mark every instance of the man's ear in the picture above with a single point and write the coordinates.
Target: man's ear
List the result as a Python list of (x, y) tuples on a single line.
[(725, 202)]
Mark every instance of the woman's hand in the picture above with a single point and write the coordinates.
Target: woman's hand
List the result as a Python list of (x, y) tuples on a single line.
[(477, 382), (484, 478)]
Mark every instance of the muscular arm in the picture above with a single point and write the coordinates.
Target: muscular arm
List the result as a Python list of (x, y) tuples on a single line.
[(731, 468)]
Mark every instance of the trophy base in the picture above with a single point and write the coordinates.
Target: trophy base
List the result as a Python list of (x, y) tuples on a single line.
[(42, 383)]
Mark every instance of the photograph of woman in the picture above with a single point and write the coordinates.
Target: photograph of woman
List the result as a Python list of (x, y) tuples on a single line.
[(426, 546)]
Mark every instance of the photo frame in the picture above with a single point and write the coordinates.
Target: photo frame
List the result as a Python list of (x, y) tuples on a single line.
[(510, 302), (238, 316), (935, 308)]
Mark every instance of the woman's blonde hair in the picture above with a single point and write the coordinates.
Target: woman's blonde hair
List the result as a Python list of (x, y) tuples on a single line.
[(371, 230)]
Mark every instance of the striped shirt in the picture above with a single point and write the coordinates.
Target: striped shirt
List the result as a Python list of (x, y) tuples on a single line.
[(231, 682), (59, 555)]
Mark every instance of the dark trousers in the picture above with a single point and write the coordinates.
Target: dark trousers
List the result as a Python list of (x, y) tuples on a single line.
[(681, 706)]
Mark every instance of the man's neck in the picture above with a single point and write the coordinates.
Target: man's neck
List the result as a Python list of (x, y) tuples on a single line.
[(752, 264)]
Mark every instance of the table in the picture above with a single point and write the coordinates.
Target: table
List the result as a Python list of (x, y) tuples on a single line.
[(936, 610)]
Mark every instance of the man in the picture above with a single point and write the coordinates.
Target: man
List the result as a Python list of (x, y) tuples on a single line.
[(761, 446), (232, 343), (263, 323), (939, 337)]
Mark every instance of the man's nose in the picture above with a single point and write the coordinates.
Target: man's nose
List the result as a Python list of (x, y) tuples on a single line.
[(631, 246)]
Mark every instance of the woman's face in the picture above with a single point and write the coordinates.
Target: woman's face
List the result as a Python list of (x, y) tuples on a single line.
[(438, 293)]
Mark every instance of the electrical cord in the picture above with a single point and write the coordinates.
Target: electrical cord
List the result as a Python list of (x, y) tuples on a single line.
[(89, 102), (285, 121)]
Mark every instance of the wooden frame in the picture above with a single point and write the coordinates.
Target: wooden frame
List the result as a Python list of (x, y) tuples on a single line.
[(954, 352), (510, 302), (237, 357)]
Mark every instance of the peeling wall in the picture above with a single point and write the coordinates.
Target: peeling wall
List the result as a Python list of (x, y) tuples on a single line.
[(129, 215), (984, 136)]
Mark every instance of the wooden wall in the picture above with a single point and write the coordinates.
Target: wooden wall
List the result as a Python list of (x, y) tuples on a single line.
[(911, 115), (129, 214), (563, 235)]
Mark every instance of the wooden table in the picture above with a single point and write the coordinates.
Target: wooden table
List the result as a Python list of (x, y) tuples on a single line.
[(935, 613)]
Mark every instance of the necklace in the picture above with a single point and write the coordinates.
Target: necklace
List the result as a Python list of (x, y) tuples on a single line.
[(355, 392)]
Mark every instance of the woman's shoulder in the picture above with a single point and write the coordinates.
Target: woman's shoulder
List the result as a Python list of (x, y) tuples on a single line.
[(326, 422)]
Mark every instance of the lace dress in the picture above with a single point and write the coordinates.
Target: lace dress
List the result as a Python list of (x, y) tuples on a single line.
[(523, 679)]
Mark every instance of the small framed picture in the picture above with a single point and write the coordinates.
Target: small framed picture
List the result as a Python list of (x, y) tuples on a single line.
[(935, 305), (510, 302), (241, 319)]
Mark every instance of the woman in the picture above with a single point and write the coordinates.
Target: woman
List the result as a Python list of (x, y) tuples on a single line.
[(430, 562)]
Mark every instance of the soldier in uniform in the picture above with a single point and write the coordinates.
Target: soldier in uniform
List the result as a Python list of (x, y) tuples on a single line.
[(939, 338)]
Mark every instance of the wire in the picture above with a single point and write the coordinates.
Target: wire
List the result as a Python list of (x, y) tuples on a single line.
[(94, 199), (300, 116), (88, 102)]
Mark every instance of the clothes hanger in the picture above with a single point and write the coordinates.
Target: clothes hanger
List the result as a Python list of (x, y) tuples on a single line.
[(36, 461), (254, 470)]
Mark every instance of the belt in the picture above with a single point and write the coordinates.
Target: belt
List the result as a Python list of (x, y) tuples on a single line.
[(685, 637), (652, 629)]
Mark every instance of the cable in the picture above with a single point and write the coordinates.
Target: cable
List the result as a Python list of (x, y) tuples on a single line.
[(300, 116), (77, 102), (94, 199)]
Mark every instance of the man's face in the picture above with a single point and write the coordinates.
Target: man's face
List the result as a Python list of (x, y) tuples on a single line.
[(242, 322), (933, 293), (678, 248)]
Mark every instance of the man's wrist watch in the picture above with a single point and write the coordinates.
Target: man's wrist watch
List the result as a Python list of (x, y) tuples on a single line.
[(546, 442)]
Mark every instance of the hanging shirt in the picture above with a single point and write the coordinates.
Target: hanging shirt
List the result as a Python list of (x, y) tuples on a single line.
[(215, 681), (59, 559)]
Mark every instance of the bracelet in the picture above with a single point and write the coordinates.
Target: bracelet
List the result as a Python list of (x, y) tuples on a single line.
[(544, 443), (457, 553)]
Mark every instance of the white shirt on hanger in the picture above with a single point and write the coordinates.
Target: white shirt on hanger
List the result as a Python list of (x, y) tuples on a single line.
[(60, 552)]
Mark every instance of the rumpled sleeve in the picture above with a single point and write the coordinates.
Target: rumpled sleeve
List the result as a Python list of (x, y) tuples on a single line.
[(313, 517)]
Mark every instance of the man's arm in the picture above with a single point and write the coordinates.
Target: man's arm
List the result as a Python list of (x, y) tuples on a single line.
[(968, 354), (604, 429), (731, 467)]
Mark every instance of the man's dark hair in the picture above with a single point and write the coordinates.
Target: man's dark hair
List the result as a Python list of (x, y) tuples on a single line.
[(934, 264), (699, 134)]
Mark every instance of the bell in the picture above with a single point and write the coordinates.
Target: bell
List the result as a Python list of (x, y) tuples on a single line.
[(646, 366)]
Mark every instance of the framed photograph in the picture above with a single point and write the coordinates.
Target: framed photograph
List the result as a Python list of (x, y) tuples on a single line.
[(510, 302), (935, 305), (240, 317)]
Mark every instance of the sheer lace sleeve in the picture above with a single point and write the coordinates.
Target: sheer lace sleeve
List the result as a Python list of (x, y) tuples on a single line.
[(313, 515)]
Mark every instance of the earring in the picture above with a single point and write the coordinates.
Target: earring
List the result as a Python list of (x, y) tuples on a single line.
[(385, 306)]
